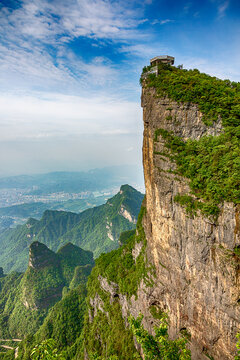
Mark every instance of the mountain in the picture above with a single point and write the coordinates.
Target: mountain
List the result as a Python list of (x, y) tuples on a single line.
[(97, 229), (26, 298), (184, 259)]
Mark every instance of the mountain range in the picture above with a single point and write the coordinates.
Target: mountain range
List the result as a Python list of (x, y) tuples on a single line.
[(96, 229)]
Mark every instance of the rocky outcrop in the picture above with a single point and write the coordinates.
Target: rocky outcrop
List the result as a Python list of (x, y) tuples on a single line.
[(196, 260), (126, 214), (198, 273)]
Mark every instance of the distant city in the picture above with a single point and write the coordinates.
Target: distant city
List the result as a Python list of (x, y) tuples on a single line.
[(10, 197)]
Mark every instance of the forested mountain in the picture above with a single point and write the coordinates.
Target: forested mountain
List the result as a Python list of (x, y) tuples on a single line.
[(25, 299), (97, 229)]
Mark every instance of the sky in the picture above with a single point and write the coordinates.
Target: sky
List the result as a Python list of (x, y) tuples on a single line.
[(69, 74)]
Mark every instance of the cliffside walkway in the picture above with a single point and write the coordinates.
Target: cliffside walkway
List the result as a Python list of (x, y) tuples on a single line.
[(7, 347), (10, 340)]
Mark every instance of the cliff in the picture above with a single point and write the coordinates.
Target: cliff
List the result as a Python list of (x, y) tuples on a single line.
[(184, 258), (196, 266)]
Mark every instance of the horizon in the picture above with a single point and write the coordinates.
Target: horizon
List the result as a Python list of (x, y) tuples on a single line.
[(70, 93)]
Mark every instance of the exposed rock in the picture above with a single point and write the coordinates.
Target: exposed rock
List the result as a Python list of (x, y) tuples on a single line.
[(109, 232), (136, 250), (97, 304), (126, 214), (197, 271)]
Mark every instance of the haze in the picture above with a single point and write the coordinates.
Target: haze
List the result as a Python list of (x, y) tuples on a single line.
[(69, 89)]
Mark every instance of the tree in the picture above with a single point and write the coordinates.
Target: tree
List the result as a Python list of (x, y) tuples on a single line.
[(237, 357), (47, 350), (159, 347)]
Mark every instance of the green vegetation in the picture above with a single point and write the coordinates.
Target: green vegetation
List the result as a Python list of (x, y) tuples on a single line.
[(120, 267), (105, 333), (8, 292), (237, 357), (65, 320), (212, 163), (46, 351), (93, 229), (214, 97), (27, 298), (159, 347)]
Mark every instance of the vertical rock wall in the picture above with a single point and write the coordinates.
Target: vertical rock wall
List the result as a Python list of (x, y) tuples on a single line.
[(198, 274)]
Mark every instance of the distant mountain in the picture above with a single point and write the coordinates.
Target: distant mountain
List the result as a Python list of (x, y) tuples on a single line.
[(25, 299), (71, 182), (36, 209), (97, 229)]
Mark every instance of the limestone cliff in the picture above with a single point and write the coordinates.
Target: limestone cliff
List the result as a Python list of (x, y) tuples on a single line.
[(185, 263), (197, 269)]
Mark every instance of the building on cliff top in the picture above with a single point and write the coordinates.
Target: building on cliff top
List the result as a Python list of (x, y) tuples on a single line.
[(165, 59), (154, 62)]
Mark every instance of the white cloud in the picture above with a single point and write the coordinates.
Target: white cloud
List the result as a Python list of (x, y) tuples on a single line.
[(222, 9), (34, 51), (145, 51), (162, 22), (34, 117), (53, 21)]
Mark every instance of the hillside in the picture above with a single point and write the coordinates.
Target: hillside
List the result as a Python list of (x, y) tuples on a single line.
[(97, 229), (26, 298)]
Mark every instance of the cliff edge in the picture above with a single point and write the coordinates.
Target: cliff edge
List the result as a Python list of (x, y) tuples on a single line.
[(184, 259), (196, 256)]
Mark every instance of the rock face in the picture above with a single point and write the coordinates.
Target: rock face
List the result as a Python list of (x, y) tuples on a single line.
[(198, 273), (40, 256)]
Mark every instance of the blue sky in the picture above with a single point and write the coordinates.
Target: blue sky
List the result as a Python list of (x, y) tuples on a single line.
[(69, 73)]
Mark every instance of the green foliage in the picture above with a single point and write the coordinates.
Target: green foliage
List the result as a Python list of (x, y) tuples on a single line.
[(46, 351), (237, 357), (120, 267), (89, 229), (65, 320), (106, 335), (212, 163), (96, 357), (212, 167), (156, 312), (125, 236), (159, 346), (214, 97), (26, 298)]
